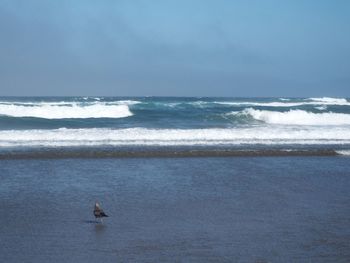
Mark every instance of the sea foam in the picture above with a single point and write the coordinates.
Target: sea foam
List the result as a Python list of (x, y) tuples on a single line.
[(65, 110), (298, 117), (144, 136), (343, 152), (288, 103), (327, 100)]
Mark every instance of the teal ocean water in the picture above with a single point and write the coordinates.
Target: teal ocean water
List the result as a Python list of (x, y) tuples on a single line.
[(261, 126)]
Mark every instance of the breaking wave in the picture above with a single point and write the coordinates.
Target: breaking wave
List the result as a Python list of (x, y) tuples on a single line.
[(161, 137), (287, 103), (297, 117), (66, 110), (343, 152), (327, 100)]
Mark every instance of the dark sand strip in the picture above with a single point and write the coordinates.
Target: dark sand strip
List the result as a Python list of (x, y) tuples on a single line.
[(110, 153)]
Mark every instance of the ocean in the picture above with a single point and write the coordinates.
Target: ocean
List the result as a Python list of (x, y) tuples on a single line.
[(182, 179), (102, 126)]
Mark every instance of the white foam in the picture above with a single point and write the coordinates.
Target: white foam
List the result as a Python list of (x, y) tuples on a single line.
[(298, 117), (286, 103), (68, 103), (264, 104), (65, 110), (38, 103), (327, 100), (343, 152), (126, 102), (143, 136), (321, 107)]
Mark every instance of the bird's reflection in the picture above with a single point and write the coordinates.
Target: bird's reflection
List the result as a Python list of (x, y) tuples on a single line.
[(100, 229)]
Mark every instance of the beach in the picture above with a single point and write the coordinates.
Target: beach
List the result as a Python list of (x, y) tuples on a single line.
[(174, 131), (223, 209), (182, 179)]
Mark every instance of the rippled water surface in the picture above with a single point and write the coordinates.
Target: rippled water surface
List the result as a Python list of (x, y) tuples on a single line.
[(228, 209)]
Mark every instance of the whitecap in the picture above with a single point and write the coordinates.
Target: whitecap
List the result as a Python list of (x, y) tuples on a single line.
[(309, 101), (65, 111), (321, 107), (163, 137), (343, 152), (328, 100), (298, 117)]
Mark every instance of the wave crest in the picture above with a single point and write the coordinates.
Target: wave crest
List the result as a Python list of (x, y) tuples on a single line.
[(66, 111), (287, 103), (143, 136), (328, 100), (298, 117)]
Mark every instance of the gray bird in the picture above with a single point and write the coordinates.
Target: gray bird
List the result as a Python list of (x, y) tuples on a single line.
[(98, 212)]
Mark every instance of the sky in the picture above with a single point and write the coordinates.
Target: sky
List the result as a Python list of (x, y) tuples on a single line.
[(291, 48)]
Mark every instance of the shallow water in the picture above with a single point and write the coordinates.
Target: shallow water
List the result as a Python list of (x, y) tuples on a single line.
[(233, 209)]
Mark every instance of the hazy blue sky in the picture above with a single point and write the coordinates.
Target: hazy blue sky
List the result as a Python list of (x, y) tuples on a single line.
[(164, 48)]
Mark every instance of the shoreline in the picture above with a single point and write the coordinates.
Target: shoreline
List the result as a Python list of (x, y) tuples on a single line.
[(163, 153)]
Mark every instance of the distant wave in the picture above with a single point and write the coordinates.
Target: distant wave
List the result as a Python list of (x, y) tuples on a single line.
[(96, 101), (327, 100), (65, 110), (343, 152), (288, 103), (126, 102), (264, 104), (322, 108), (161, 137), (297, 117)]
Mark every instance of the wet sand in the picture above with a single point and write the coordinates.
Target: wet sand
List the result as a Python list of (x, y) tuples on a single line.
[(228, 209)]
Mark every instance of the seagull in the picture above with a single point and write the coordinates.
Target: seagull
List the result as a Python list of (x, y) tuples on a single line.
[(98, 212)]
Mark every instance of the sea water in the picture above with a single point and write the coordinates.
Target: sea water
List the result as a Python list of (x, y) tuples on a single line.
[(149, 124), (208, 209), (254, 180)]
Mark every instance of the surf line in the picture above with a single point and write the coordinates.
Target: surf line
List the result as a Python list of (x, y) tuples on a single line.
[(52, 154)]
